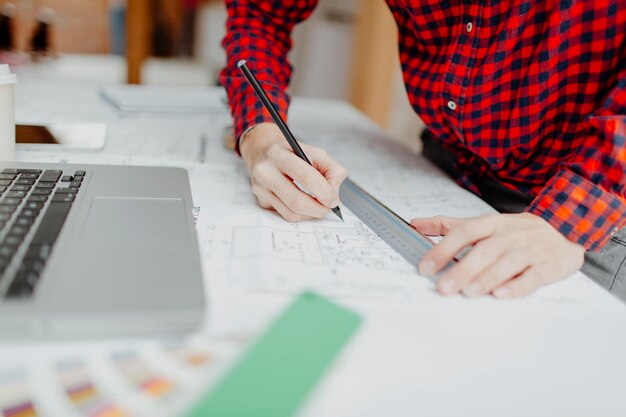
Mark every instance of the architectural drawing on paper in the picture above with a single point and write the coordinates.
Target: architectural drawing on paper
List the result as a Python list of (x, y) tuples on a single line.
[(349, 244)]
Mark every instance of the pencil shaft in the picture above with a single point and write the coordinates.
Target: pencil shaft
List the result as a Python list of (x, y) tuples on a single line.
[(260, 92)]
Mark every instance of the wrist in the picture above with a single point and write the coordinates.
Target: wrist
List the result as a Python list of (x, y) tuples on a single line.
[(257, 138), (244, 135)]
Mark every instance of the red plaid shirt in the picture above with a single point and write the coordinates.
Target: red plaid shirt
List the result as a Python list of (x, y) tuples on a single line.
[(532, 93)]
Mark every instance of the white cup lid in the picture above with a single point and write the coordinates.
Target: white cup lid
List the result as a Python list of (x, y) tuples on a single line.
[(6, 76)]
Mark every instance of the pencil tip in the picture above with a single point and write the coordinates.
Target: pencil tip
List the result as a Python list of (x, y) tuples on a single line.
[(337, 211)]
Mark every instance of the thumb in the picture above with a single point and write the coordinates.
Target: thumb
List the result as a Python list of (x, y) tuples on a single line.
[(332, 170), (336, 177)]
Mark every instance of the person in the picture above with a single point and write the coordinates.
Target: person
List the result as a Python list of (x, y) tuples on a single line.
[(117, 26), (188, 27), (7, 17), (524, 103), (41, 41)]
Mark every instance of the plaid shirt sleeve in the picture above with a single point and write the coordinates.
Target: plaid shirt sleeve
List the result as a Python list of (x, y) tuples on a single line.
[(586, 199), (260, 32)]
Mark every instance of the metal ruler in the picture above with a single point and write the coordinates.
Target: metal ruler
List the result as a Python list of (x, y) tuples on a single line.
[(391, 228)]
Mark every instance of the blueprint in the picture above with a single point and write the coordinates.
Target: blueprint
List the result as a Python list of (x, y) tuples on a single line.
[(251, 248), (246, 247)]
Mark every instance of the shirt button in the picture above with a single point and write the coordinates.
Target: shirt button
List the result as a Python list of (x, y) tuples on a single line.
[(469, 26), (451, 105)]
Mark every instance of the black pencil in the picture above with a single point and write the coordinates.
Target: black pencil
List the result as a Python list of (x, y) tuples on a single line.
[(277, 118)]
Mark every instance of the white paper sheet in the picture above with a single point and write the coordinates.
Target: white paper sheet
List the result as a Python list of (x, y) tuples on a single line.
[(248, 247)]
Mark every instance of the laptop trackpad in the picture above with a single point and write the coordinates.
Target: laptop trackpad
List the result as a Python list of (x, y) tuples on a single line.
[(132, 221), (128, 258)]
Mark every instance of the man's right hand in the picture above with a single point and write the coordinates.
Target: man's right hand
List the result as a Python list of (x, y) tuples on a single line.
[(273, 167)]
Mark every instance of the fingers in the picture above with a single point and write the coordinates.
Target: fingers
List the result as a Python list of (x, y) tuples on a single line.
[(269, 200), (510, 265), (526, 283), (330, 169), (274, 168), (297, 200), (463, 275), (459, 234), (435, 226), (541, 274), (268, 179), (509, 255), (307, 176), (280, 168)]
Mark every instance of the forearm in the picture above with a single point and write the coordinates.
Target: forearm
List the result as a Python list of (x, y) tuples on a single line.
[(260, 32)]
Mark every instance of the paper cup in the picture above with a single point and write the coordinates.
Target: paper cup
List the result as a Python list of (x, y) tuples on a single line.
[(7, 113)]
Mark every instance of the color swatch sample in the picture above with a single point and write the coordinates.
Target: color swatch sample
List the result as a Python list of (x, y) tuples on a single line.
[(189, 356), (75, 382), (137, 373), (283, 366), (15, 395)]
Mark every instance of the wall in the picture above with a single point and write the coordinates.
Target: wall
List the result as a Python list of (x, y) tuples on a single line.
[(81, 26)]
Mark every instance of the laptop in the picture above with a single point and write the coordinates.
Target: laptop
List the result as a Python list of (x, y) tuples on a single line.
[(90, 250)]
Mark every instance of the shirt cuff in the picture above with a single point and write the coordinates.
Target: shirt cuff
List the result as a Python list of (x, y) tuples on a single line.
[(248, 111), (581, 210)]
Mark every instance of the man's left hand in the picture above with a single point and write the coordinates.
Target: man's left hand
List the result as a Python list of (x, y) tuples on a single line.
[(511, 255)]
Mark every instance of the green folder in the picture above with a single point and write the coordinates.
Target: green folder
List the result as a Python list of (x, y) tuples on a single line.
[(277, 373)]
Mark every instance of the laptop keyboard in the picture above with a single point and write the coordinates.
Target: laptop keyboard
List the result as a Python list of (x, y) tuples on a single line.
[(33, 207)]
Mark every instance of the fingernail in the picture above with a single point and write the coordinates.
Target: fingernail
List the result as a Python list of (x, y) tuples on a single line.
[(427, 268), (447, 286), (473, 290), (502, 292)]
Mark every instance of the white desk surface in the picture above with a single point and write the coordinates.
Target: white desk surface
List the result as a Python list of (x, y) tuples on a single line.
[(407, 359)]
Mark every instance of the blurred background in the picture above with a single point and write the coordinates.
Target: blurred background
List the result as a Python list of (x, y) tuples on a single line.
[(347, 50)]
